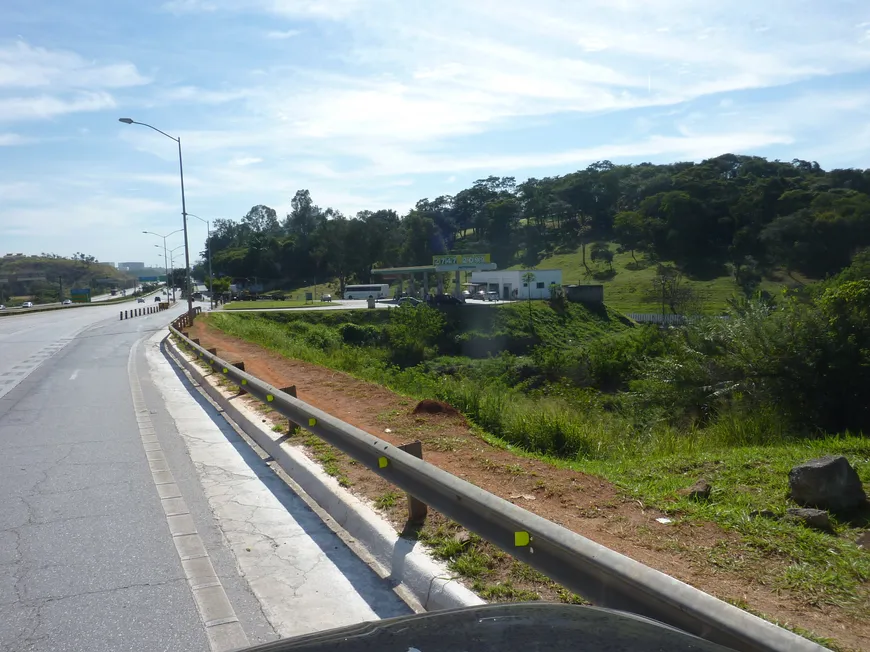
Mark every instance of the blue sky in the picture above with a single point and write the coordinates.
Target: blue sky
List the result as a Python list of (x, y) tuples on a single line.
[(376, 103)]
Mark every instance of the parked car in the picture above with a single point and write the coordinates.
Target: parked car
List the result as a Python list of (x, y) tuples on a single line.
[(492, 296), (409, 301), (140, 300), (445, 300), (27, 304), (326, 297), (67, 302)]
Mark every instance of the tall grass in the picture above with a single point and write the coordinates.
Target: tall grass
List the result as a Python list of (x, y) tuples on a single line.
[(550, 426)]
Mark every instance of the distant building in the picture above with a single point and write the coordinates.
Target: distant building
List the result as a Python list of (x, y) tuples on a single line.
[(510, 285), (131, 267)]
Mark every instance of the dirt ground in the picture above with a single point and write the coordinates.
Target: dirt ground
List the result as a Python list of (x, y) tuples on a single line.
[(700, 554)]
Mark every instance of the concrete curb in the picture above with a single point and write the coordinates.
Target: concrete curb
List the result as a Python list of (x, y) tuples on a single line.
[(403, 561)]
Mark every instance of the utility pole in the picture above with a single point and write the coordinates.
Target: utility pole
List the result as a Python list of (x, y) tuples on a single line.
[(60, 295)]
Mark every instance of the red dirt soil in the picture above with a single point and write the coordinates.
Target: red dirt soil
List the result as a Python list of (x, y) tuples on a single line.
[(692, 552)]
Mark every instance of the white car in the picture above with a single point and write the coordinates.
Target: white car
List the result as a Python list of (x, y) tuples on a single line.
[(67, 302), (2, 307), (27, 304)]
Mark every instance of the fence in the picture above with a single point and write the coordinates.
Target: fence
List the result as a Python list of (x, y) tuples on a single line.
[(606, 578)]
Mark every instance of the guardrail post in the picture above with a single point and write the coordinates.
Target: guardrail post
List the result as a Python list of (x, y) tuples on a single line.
[(417, 509), (291, 426), (240, 365), (125, 315), (122, 316)]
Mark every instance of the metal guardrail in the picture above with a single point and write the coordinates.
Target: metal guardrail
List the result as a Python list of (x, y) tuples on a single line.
[(604, 577)]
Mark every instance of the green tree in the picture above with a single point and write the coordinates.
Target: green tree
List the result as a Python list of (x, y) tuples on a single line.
[(630, 231)]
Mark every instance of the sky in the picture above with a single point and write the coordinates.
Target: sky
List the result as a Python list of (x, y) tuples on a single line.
[(375, 104)]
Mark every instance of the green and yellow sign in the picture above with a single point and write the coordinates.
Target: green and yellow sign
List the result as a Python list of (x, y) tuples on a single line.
[(460, 261)]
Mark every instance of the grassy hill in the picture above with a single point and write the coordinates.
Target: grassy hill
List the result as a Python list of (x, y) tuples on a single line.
[(629, 286), (71, 273)]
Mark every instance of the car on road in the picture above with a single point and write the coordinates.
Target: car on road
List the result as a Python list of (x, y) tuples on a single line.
[(445, 300), (409, 301), (27, 304), (326, 297), (67, 302), (2, 307), (157, 299), (140, 300)]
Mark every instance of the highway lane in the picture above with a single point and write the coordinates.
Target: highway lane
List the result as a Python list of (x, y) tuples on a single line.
[(28, 339), (134, 518)]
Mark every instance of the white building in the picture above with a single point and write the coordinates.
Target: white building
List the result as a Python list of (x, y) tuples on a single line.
[(510, 285)]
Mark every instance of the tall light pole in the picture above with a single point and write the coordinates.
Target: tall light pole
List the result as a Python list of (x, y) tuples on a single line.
[(165, 258), (208, 249), (172, 266), (130, 121)]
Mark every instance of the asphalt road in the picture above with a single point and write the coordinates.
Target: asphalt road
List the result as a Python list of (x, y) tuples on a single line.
[(95, 545)]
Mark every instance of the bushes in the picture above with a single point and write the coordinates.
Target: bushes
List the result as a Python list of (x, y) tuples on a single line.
[(806, 360), (413, 334), (357, 335)]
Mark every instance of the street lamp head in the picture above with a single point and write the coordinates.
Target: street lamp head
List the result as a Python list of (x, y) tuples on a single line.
[(128, 121)]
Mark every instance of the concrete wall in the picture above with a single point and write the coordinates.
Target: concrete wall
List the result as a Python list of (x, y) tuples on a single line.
[(584, 293)]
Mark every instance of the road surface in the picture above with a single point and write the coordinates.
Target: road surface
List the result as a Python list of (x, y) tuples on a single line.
[(134, 518)]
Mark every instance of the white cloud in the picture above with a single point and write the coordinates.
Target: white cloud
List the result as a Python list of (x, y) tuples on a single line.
[(290, 33), (246, 160), (25, 66), (10, 140), (47, 106)]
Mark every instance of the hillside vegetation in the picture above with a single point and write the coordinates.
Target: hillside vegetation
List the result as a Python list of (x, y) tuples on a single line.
[(77, 272), (730, 224), (736, 401)]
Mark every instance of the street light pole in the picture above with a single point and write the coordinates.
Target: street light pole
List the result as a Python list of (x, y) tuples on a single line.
[(130, 121), (208, 249), (165, 264), (172, 265)]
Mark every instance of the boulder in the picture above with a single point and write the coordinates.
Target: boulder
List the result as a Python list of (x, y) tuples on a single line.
[(814, 518), (828, 482), (863, 540)]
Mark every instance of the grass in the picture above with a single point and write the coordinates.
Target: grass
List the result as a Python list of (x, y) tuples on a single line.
[(261, 305), (746, 459), (627, 288)]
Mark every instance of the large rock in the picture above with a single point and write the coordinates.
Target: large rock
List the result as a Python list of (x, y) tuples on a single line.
[(827, 483), (814, 518)]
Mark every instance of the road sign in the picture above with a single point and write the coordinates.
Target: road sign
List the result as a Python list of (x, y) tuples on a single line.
[(80, 295)]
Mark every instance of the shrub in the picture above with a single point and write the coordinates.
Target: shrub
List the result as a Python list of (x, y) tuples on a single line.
[(359, 335)]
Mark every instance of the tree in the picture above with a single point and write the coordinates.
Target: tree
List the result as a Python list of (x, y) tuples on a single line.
[(600, 251), (262, 220), (630, 231)]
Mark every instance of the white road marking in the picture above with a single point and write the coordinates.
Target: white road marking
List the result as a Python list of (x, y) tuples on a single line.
[(74, 375)]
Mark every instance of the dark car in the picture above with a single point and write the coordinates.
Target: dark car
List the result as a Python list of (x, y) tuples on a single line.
[(445, 300), (409, 301), (157, 299)]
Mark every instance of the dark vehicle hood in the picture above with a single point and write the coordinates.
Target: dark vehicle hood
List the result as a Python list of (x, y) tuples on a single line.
[(518, 627)]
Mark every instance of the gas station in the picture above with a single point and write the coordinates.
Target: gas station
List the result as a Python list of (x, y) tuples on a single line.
[(442, 264)]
